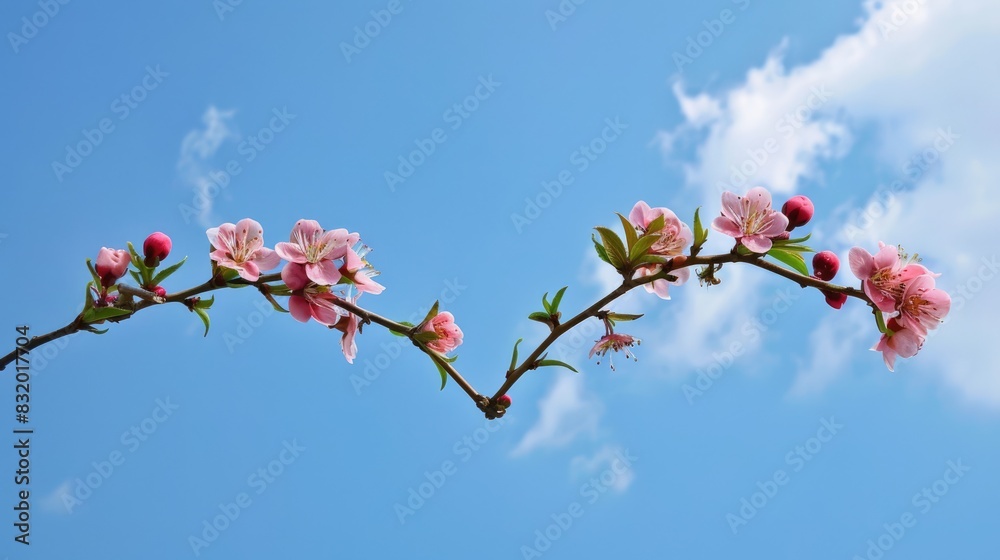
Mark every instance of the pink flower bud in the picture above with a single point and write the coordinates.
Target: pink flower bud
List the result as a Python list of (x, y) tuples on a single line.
[(799, 210), (835, 300), (825, 265), (504, 401), (156, 247), (160, 291), (111, 265)]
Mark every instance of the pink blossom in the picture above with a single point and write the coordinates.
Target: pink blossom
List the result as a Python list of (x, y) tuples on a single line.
[(241, 248), (315, 248), (923, 306), (360, 271), (674, 239), (615, 342), (309, 300), (903, 342), (750, 219), (111, 265), (883, 275), (449, 335), (349, 325)]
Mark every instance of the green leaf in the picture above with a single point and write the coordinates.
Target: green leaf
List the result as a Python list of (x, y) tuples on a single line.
[(613, 245), (426, 336), (441, 370), (642, 245), (700, 232), (404, 323), (624, 316), (540, 317), (649, 259), (93, 272), (630, 235), (601, 253), (163, 274), (545, 363), (799, 239), (656, 225), (880, 321), (203, 315), (205, 303), (513, 359), (88, 296), (556, 300), (793, 259), (136, 277), (545, 303), (431, 314), (95, 314), (136, 257)]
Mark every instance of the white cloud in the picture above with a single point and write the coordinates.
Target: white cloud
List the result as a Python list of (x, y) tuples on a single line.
[(607, 458), (912, 71), (832, 345), (197, 149), (56, 501), (565, 413)]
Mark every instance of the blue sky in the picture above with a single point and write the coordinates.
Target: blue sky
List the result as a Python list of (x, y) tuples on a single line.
[(125, 120)]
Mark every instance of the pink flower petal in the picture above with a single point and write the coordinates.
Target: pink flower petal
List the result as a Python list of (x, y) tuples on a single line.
[(324, 273), (862, 263), (294, 276), (757, 243), (290, 252), (299, 308), (725, 225)]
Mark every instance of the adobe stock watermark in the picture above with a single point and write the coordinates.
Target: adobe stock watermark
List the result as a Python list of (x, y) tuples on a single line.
[(713, 29), (562, 12), (364, 34), (258, 481), (225, 7), (248, 149), (122, 106), (580, 160), (454, 116), (394, 347), (885, 196), (923, 502), (132, 439), (31, 25), (750, 333), (787, 126), (417, 497), (590, 492), (246, 325), (796, 459)]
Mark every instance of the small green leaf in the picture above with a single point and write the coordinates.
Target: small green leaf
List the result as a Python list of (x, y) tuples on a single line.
[(88, 296), (203, 315), (136, 257), (441, 370), (545, 303), (405, 324), (630, 235), (540, 316), (205, 303), (513, 359), (163, 274), (601, 253), (792, 259), (700, 232), (642, 245), (558, 299), (431, 314), (426, 336), (799, 239), (649, 259), (613, 245), (656, 225), (880, 321), (624, 316), (93, 272), (545, 363), (136, 277), (95, 314)]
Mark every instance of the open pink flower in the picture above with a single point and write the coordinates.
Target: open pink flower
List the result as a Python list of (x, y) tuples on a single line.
[(241, 248), (750, 219), (615, 342), (675, 238), (923, 306), (310, 300), (359, 271), (315, 248), (349, 324), (883, 275), (111, 265), (903, 342), (449, 335)]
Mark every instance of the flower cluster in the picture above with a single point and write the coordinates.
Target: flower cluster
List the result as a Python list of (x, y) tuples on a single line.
[(903, 291)]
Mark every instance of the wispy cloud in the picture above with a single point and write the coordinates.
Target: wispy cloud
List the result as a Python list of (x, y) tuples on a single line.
[(903, 74), (606, 458), (566, 413), (197, 149)]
